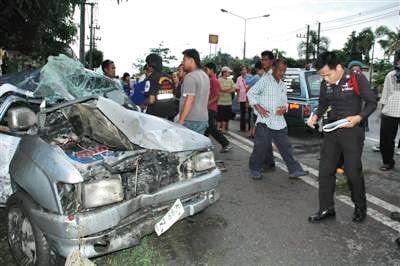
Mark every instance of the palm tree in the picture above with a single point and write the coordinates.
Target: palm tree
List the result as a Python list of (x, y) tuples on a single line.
[(392, 40), (313, 45), (366, 40), (278, 53)]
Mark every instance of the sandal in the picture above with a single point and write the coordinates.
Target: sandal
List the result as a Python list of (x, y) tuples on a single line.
[(386, 167)]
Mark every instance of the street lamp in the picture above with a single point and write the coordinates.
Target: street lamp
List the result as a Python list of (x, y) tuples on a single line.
[(245, 24)]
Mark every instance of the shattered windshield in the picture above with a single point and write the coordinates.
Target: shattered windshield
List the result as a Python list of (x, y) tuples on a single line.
[(64, 78), (25, 80)]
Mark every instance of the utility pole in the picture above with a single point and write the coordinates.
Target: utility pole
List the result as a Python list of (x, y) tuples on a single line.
[(302, 36), (371, 63), (244, 39), (307, 43), (82, 33), (91, 37), (318, 37), (97, 27)]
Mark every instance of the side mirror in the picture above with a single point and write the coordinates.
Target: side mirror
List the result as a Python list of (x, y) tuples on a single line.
[(21, 118)]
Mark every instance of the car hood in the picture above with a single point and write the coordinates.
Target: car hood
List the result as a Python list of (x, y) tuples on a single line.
[(152, 132)]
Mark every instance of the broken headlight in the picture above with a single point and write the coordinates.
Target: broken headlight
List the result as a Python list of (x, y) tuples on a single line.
[(203, 161), (69, 196), (102, 192)]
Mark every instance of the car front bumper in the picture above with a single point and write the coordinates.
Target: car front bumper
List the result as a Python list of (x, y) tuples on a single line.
[(119, 226)]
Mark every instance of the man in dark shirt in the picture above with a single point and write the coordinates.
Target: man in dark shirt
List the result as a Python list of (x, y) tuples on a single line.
[(153, 68), (160, 100), (211, 69), (344, 92)]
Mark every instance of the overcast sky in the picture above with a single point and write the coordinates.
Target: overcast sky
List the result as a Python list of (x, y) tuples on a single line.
[(129, 29)]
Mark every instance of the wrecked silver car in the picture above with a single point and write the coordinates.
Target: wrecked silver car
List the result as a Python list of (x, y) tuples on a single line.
[(81, 169)]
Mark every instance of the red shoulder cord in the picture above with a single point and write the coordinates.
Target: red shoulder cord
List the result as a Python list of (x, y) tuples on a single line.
[(352, 83)]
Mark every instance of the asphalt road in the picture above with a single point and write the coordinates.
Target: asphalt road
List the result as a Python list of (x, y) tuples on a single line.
[(265, 222)]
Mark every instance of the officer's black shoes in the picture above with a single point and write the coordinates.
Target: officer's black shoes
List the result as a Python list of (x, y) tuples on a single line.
[(359, 214), (322, 215), (386, 167)]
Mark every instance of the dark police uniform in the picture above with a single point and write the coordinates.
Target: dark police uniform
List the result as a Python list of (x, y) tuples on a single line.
[(161, 86), (344, 101)]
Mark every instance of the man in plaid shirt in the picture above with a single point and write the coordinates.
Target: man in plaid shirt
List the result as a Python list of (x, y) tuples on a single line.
[(268, 97)]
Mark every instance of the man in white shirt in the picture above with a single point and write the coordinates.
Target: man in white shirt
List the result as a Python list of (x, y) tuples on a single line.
[(268, 97), (390, 101)]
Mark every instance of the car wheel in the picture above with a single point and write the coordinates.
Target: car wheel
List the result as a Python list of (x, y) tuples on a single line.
[(28, 244)]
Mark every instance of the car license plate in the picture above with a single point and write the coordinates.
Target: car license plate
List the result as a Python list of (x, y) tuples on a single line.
[(171, 217)]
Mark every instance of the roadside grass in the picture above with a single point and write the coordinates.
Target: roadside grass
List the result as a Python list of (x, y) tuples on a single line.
[(5, 253), (144, 254), (341, 185)]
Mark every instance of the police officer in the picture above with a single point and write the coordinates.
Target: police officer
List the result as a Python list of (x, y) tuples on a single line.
[(345, 98), (159, 90)]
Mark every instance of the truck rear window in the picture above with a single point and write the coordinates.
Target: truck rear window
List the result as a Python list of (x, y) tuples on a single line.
[(313, 80), (292, 82)]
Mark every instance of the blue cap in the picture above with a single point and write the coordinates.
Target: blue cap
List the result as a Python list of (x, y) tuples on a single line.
[(355, 63)]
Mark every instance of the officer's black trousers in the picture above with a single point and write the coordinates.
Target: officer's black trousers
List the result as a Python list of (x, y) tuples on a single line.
[(350, 142), (388, 132)]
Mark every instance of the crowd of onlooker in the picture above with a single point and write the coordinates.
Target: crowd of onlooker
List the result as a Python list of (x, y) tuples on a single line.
[(160, 93)]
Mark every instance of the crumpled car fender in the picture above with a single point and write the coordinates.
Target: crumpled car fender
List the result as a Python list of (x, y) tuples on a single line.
[(37, 167)]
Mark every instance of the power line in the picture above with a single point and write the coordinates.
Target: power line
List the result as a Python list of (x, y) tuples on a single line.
[(362, 21), (351, 17), (363, 13)]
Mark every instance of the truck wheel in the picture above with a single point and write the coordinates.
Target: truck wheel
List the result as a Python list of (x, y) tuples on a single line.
[(28, 244)]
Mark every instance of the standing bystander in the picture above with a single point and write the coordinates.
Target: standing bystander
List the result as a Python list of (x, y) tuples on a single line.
[(194, 95), (241, 88), (268, 98), (227, 87), (259, 72), (126, 83), (210, 69), (108, 69), (390, 114)]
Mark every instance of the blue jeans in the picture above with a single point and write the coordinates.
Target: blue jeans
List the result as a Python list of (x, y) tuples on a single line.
[(198, 126), (262, 142)]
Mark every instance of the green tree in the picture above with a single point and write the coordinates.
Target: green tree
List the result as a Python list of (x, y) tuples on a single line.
[(358, 46), (313, 45), (235, 63), (343, 56), (278, 53), (391, 41), (38, 28), (382, 67), (352, 47), (366, 39), (162, 51), (291, 62), (97, 57)]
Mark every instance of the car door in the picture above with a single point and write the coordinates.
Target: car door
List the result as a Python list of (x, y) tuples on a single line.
[(8, 146)]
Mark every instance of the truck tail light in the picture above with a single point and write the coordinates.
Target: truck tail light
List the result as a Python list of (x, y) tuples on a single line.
[(294, 106), (306, 110)]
